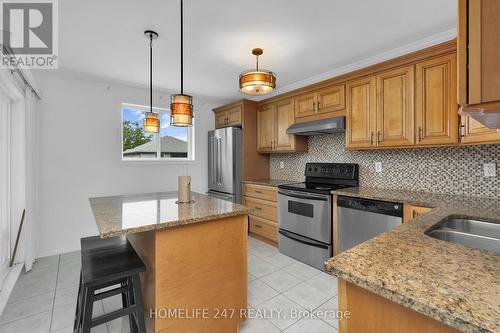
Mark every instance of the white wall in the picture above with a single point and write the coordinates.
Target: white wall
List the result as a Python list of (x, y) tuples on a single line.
[(79, 139)]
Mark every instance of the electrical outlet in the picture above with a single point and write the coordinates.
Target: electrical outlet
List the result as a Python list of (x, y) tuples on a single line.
[(378, 166), (490, 170), (282, 165)]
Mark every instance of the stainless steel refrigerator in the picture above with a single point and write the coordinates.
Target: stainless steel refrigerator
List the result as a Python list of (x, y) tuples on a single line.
[(224, 163)]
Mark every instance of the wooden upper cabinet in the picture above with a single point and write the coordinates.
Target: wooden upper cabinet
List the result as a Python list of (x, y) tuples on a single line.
[(436, 102), (331, 99), (265, 128), (283, 118), (472, 131), (361, 105), (395, 108), (273, 120), (230, 116), (305, 105)]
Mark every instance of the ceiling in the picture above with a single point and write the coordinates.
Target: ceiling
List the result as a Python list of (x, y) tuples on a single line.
[(301, 39)]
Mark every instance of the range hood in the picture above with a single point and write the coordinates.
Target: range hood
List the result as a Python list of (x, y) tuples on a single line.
[(318, 127)]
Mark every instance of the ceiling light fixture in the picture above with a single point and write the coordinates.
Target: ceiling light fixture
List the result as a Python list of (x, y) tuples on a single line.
[(151, 119), (181, 106), (257, 82)]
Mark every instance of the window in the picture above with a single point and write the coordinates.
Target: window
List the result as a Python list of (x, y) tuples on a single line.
[(171, 144)]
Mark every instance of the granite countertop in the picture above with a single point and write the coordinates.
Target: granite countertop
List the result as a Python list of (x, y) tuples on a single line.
[(451, 283), (125, 214), (270, 182)]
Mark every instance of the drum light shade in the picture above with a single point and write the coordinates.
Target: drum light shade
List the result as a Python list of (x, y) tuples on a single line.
[(181, 110), (258, 81), (151, 123)]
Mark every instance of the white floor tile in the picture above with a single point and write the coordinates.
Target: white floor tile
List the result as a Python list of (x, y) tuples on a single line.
[(27, 307), (39, 323), (71, 257), (67, 278), (257, 325), (259, 292), (288, 311), (46, 262), (307, 296), (310, 325), (64, 315), (258, 268), (279, 260), (120, 325), (251, 277), (325, 282), (328, 312), (281, 280), (66, 296), (28, 288), (301, 271)]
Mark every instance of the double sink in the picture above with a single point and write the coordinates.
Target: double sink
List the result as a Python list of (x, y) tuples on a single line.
[(468, 232)]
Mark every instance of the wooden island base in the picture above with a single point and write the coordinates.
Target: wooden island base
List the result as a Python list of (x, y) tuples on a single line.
[(375, 314), (194, 273)]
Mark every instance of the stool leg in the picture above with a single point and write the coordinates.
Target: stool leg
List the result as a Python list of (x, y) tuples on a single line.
[(88, 302), (126, 302), (78, 316), (136, 285)]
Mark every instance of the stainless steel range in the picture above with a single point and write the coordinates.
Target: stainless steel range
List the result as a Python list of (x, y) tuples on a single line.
[(305, 211)]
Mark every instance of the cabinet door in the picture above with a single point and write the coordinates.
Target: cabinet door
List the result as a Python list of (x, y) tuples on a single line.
[(475, 132), (412, 212), (436, 102), (360, 118), (395, 109), (284, 117), (234, 116), (265, 128), (331, 99), (305, 105), (220, 119)]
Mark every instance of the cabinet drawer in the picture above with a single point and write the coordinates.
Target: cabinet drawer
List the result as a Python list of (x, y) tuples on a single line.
[(263, 209), (260, 192), (264, 228)]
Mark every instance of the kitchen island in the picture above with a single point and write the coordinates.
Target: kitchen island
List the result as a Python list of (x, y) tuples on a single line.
[(195, 255), (406, 281)]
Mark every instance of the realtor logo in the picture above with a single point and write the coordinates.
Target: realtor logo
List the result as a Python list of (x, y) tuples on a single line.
[(29, 34)]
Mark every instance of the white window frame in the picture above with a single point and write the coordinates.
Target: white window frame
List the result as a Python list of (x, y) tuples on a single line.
[(158, 159)]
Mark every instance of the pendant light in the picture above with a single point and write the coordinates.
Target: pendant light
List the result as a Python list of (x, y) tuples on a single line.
[(181, 106), (258, 81), (151, 120)]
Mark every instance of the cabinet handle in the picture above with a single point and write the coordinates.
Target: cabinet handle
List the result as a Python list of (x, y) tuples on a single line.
[(419, 133), (319, 106), (258, 208), (371, 137), (260, 192), (462, 131), (378, 137), (314, 106), (258, 226), (414, 213)]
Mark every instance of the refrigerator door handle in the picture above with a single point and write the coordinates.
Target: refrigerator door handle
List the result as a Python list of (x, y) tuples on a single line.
[(219, 162), (214, 167)]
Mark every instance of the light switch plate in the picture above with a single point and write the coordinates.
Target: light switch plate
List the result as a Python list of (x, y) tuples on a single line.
[(490, 170), (378, 166), (282, 165)]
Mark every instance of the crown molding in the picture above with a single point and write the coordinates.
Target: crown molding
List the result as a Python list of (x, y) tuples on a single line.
[(381, 57)]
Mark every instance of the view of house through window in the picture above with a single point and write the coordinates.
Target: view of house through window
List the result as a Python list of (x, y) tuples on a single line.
[(172, 143)]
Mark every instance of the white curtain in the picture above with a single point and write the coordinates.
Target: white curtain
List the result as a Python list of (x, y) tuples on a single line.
[(31, 177)]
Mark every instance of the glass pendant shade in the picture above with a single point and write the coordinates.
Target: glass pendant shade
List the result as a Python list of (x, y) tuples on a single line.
[(151, 123), (181, 110), (258, 82)]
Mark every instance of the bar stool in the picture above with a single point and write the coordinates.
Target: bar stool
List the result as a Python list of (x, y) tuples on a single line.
[(106, 263)]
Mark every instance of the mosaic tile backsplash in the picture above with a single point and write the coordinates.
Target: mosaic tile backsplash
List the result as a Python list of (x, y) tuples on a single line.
[(453, 170)]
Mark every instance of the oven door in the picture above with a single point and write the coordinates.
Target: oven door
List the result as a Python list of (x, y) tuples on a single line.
[(306, 214)]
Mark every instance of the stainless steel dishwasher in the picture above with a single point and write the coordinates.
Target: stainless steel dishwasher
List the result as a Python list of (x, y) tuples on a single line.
[(362, 219)]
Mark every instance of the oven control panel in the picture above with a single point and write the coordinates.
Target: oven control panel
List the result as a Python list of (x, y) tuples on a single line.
[(332, 170)]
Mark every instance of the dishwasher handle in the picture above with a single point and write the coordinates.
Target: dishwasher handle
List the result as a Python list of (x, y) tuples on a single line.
[(373, 206)]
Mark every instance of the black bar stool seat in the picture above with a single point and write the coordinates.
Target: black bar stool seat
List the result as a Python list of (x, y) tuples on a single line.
[(105, 263)]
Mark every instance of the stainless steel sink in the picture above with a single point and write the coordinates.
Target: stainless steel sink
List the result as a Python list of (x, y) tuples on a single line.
[(469, 232)]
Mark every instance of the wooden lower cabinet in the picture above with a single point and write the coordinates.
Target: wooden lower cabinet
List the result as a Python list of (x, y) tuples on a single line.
[(263, 221), (265, 228), (372, 313), (411, 212)]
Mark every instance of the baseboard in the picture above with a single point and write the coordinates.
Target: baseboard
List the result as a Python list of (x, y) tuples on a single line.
[(8, 285)]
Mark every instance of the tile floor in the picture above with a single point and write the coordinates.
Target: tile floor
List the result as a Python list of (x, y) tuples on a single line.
[(284, 295)]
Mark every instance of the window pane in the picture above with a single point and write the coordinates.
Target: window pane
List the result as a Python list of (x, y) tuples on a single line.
[(136, 142), (173, 139)]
